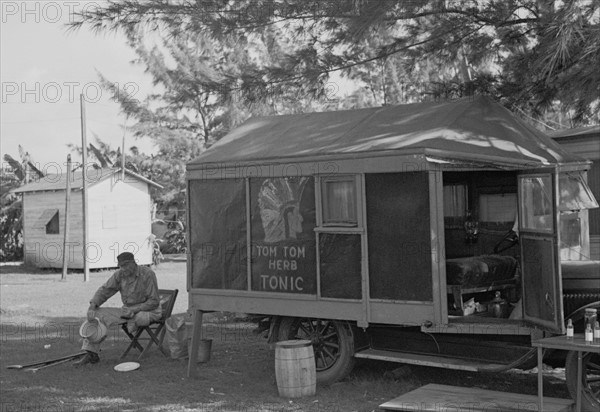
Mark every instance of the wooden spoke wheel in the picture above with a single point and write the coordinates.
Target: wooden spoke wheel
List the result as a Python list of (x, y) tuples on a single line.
[(590, 380), (332, 343)]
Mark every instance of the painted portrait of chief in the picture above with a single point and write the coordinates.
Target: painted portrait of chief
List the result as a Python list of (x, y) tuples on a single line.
[(279, 204)]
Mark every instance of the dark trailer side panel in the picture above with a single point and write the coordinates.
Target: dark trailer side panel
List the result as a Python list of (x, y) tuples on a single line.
[(218, 234), (399, 233)]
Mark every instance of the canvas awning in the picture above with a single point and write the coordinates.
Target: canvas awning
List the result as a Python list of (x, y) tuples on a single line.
[(470, 130)]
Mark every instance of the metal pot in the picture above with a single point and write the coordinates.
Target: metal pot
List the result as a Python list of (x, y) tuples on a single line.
[(498, 306)]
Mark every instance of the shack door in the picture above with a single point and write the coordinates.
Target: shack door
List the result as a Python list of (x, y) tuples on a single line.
[(538, 234)]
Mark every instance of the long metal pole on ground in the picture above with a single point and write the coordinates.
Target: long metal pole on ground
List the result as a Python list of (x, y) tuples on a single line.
[(66, 237), (86, 269)]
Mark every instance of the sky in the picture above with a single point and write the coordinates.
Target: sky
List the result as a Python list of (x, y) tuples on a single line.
[(43, 71), (44, 68)]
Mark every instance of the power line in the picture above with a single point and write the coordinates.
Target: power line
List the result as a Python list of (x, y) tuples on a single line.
[(42, 120), (57, 120)]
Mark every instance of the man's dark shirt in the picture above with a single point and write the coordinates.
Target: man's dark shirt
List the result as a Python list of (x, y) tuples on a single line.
[(138, 292)]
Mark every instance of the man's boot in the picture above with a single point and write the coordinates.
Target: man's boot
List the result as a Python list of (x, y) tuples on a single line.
[(90, 357)]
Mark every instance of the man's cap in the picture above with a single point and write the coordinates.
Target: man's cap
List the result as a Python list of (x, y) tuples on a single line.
[(125, 257)]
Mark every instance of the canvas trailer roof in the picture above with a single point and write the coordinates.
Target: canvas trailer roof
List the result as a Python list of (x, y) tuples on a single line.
[(475, 132), (58, 181)]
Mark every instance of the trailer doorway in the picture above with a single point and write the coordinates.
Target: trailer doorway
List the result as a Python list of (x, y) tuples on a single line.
[(481, 253)]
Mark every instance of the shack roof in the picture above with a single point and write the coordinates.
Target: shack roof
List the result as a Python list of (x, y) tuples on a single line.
[(477, 129), (582, 132), (53, 182)]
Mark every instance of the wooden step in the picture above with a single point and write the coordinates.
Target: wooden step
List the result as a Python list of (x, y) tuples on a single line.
[(434, 397), (427, 360), (464, 345)]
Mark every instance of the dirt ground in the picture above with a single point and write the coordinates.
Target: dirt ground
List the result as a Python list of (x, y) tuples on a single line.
[(40, 316)]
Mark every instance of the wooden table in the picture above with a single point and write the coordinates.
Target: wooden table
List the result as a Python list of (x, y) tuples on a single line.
[(578, 344)]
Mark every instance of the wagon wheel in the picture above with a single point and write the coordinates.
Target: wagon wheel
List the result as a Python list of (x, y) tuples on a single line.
[(332, 343), (590, 379)]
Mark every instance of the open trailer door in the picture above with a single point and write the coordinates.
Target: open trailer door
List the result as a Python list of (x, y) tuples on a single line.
[(540, 257)]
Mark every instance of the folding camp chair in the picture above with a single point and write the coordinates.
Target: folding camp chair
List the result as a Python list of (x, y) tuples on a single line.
[(156, 330)]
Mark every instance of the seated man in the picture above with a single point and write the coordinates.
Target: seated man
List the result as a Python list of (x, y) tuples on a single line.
[(141, 303)]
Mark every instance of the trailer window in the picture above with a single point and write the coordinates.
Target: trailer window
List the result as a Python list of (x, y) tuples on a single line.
[(498, 208), (536, 203), (455, 200), (339, 201)]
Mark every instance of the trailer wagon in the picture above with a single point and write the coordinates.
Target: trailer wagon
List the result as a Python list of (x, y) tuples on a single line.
[(447, 234)]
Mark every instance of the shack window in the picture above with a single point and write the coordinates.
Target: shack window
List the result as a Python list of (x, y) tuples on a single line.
[(536, 203), (339, 201), (575, 194), (570, 231), (49, 222), (52, 227)]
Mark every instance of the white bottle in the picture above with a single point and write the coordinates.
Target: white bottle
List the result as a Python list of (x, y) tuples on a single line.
[(569, 329), (589, 334)]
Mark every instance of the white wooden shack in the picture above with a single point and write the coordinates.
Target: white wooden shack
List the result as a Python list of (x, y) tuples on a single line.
[(119, 219), (585, 142)]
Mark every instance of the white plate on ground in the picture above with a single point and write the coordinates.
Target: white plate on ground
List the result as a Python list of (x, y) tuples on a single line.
[(127, 366)]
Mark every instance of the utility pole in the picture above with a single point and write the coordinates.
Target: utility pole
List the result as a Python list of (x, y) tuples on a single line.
[(123, 159), (66, 236), (86, 269)]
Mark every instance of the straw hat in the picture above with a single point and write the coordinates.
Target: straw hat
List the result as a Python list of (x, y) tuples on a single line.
[(94, 331)]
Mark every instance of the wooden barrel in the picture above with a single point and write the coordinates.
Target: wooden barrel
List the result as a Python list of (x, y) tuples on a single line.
[(295, 370)]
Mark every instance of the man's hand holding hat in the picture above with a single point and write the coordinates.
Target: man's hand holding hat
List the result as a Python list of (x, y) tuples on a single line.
[(91, 313)]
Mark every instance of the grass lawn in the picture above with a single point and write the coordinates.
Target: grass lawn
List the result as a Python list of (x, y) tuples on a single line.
[(40, 318)]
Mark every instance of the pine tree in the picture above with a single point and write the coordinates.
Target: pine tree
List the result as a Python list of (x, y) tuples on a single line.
[(533, 54)]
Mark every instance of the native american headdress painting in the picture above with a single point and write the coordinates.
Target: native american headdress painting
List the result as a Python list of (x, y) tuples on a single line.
[(279, 203)]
